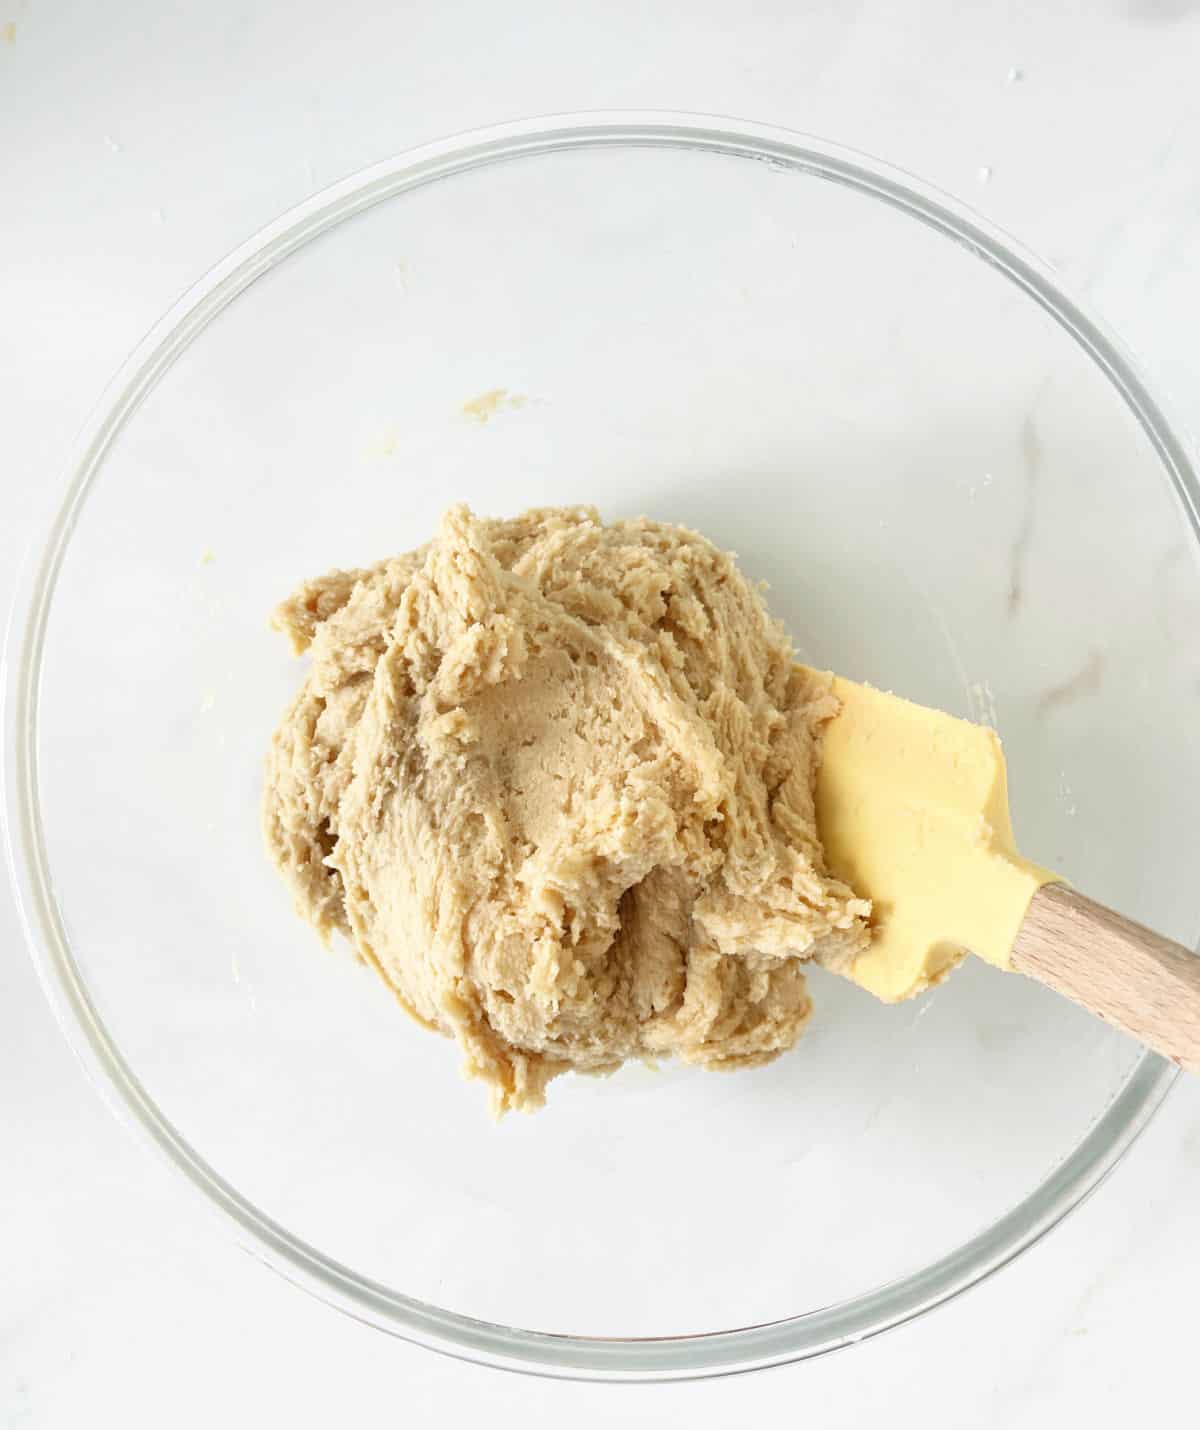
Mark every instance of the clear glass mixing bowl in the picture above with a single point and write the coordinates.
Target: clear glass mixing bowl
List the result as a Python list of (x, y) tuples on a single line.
[(956, 486)]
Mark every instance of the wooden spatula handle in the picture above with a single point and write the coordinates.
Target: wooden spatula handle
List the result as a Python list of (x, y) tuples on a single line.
[(1139, 981)]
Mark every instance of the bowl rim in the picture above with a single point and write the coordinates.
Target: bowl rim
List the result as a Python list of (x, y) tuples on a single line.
[(536, 1352)]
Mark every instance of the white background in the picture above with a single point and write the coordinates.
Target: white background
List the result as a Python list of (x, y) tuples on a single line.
[(144, 138)]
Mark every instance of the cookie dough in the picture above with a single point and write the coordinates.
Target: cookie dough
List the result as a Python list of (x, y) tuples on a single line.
[(554, 780)]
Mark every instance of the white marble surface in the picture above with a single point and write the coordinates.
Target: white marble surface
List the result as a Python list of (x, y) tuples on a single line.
[(141, 142)]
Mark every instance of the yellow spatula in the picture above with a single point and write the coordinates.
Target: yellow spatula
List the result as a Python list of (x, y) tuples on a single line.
[(912, 807)]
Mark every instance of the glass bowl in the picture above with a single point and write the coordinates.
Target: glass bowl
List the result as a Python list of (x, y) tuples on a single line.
[(955, 485)]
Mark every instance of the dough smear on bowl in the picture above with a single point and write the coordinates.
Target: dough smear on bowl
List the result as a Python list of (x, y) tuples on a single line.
[(554, 780)]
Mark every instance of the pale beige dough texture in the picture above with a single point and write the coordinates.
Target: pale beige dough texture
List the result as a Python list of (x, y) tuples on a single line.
[(554, 779)]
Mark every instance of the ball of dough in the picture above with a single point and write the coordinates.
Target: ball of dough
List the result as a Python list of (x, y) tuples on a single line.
[(554, 780)]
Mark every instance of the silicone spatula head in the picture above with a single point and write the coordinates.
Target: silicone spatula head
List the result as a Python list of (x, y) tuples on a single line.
[(912, 808)]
